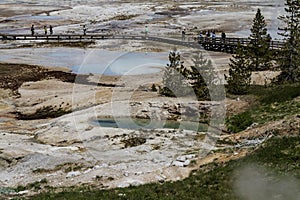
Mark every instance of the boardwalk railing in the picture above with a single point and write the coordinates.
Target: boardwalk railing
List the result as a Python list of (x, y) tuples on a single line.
[(216, 44), (54, 37), (91, 37), (210, 43)]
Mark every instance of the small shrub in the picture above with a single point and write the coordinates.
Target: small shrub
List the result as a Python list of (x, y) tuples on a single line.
[(20, 188), (44, 180), (239, 122), (44, 113), (132, 142), (35, 185)]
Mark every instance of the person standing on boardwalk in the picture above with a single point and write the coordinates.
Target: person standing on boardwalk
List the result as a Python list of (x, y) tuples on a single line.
[(183, 35), (213, 36), (84, 30), (45, 29), (32, 29), (223, 35), (51, 29), (208, 34), (146, 31)]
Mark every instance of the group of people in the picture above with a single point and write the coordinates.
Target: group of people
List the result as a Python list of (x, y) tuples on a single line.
[(204, 35), (32, 29), (210, 34)]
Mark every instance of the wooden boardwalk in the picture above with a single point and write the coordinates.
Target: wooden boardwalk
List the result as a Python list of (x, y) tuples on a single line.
[(230, 44), (92, 37), (213, 44)]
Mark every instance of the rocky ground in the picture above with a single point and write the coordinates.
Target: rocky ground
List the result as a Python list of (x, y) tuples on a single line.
[(47, 114), (72, 150)]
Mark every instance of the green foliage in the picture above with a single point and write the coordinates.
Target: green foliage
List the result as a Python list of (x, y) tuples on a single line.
[(174, 81), (37, 185), (153, 88), (239, 122), (281, 153), (6, 190), (275, 111), (199, 79), (239, 77), (274, 103), (258, 50), (277, 93), (289, 57), (201, 76)]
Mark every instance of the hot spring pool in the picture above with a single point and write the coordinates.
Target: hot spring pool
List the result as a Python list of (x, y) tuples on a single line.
[(136, 124), (88, 61)]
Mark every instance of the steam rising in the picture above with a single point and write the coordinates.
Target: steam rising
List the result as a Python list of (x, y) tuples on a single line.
[(257, 183)]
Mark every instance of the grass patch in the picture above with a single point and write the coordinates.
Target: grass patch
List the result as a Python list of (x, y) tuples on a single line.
[(276, 94), (273, 103), (214, 181), (275, 111)]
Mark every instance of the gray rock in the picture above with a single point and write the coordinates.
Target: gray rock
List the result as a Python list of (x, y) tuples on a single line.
[(73, 174), (181, 158), (186, 163), (177, 164), (161, 178)]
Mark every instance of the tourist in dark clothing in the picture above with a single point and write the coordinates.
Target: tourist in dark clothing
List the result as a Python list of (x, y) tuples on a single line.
[(223, 35), (32, 29), (213, 35), (84, 30), (51, 30), (200, 36), (183, 35), (45, 29), (207, 34)]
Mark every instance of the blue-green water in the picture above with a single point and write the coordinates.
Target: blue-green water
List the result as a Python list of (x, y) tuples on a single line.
[(136, 124), (86, 61)]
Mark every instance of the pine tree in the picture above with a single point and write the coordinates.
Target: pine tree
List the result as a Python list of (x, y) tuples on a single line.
[(289, 58), (153, 88), (174, 81), (239, 77), (201, 76), (258, 49)]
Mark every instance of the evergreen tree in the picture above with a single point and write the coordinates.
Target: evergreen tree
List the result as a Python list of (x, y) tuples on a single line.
[(201, 76), (289, 58), (239, 77), (174, 81), (258, 49), (153, 88)]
